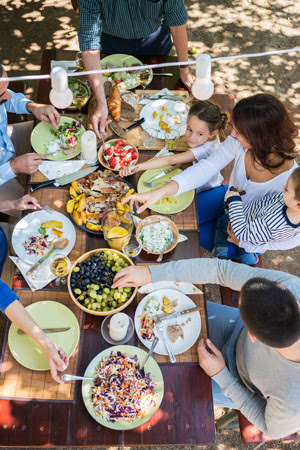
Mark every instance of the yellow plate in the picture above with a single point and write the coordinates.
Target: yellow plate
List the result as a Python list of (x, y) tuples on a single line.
[(167, 205), (47, 314)]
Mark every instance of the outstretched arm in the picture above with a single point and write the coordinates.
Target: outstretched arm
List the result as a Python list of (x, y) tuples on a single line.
[(56, 357)]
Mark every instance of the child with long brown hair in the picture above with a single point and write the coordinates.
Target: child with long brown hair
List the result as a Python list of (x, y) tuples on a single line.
[(205, 129)]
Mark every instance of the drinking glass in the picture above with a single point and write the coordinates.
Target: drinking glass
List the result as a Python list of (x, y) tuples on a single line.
[(60, 266), (80, 98), (131, 246), (149, 137), (79, 61), (171, 139), (144, 77), (116, 225)]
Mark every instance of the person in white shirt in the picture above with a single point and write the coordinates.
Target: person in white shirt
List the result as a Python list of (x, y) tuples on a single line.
[(15, 139), (263, 149), (205, 124), (272, 218)]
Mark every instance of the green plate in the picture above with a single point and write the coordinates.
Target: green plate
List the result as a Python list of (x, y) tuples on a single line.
[(155, 374), (179, 203), (117, 60), (47, 314), (41, 135)]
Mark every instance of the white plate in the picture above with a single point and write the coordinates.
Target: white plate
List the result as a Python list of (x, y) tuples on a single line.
[(175, 111), (29, 225), (185, 288), (191, 330)]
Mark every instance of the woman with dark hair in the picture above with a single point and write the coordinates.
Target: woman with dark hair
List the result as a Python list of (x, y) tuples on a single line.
[(263, 152)]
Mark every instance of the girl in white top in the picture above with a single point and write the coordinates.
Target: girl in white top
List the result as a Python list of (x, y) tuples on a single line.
[(263, 149), (204, 124)]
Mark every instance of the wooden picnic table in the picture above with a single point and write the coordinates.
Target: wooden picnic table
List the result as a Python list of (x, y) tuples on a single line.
[(53, 415)]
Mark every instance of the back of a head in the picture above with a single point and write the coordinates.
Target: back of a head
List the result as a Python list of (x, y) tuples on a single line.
[(270, 312), (265, 122), (1, 70), (296, 182)]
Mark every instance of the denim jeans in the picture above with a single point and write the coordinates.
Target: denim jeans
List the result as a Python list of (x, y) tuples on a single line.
[(226, 249), (3, 249), (225, 326)]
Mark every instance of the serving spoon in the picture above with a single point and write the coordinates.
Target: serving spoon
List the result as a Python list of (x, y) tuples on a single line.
[(57, 244)]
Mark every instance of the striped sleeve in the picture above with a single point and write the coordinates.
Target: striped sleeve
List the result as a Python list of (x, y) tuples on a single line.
[(260, 228)]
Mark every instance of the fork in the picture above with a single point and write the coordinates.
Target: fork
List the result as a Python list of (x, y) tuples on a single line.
[(142, 368), (160, 328), (153, 184), (47, 209)]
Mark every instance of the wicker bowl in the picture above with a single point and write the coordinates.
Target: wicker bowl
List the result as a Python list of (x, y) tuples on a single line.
[(156, 218), (79, 304), (103, 161)]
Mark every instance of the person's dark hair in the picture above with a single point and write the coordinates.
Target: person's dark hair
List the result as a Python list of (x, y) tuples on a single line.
[(211, 114), (296, 181), (265, 122), (1, 70), (270, 312)]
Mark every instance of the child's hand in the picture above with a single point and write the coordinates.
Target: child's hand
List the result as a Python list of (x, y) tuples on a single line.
[(129, 170), (231, 194)]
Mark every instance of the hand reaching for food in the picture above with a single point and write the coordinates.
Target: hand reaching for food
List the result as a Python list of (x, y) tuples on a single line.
[(126, 171)]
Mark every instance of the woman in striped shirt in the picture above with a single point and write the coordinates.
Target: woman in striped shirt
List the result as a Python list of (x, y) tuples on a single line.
[(272, 218)]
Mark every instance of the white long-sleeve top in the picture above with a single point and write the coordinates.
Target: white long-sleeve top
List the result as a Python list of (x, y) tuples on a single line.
[(198, 174), (202, 152), (262, 221)]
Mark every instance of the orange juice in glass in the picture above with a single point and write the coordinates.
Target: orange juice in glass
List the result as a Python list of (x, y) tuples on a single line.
[(116, 225)]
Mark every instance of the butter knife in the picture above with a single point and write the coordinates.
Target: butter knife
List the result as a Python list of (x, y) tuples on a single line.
[(181, 313), (167, 97), (163, 173), (47, 330)]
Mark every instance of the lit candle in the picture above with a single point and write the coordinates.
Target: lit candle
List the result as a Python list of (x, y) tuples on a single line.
[(118, 326), (89, 147)]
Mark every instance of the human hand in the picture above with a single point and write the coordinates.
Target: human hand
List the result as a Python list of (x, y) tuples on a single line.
[(231, 236), (231, 194), (26, 202), (99, 119), (147, 198), (187, 78), (132, 276), (44, 112), (210, 358), (27, 163), (128, 170), (56, 358)]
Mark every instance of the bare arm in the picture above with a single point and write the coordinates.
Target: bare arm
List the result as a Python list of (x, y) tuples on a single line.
[(56, 358), (91, 61), (180, 41), (25, 202)]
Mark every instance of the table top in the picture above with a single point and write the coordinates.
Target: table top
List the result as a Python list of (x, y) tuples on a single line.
[(185, 416)]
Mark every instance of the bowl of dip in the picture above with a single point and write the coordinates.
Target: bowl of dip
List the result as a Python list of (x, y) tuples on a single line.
[(157, 231)]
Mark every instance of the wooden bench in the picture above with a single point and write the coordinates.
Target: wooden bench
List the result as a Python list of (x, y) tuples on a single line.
[(249, 433)]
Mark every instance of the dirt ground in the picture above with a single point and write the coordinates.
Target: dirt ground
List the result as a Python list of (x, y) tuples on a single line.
[(218, 28)]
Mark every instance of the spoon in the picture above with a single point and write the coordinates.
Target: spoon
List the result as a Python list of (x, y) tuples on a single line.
[(68, 377), (162, 252), (57, 244), (154, 343)]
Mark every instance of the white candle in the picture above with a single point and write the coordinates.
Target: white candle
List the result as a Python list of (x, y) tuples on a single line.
[(118, 326), (89, 147)]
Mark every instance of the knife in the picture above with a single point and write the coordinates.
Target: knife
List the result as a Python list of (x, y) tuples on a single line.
[(161, 74), (47, 330), (181, 313), (66, 179), (115, 136), (163, 173), (167, 97)]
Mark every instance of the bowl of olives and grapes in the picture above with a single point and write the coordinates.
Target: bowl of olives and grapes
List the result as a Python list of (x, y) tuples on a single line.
[(90, 280)]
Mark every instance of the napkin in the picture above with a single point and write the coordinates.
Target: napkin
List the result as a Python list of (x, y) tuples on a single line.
[(186, 288), (70, 66), (39, 278), (56, 169), (136, 221), (164, 91), (163, 152)]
